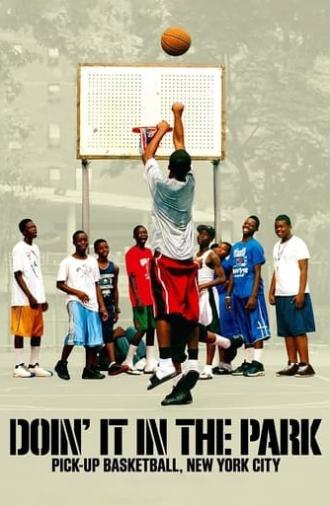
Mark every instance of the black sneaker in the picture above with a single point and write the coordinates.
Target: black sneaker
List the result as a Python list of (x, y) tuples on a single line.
[(290, 370), (304, 370), (92, 374), (181, 392), (188, 380), (231, 352), (254, 369), (221, 371), (61, 368), (239, 371), (177, 397)]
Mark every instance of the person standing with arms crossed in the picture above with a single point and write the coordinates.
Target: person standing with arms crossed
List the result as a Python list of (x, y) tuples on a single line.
[(289, 293), (173, 270)]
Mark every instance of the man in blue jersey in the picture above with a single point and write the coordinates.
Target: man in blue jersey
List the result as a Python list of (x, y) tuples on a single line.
[(245, 294)]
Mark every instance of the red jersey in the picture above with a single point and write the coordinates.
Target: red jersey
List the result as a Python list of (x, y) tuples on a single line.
[(138, 263)]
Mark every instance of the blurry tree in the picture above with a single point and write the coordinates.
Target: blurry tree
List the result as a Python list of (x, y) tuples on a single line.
[(278, 95), (277, 76)]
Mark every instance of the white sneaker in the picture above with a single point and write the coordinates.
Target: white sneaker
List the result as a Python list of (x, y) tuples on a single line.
[(140, 364), (21, 371), (150, 366), (133, 371), (206, 375), (39, 372)]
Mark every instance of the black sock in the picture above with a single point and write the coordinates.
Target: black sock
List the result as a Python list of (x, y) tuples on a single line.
[(165, 353), (193, 353)]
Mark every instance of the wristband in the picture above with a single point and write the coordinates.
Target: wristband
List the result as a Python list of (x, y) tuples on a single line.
[(228, 297)]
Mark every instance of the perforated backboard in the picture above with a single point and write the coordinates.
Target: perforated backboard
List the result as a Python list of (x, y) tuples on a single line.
[(114, 99)]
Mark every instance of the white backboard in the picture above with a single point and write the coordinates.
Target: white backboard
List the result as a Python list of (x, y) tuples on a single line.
[(113, 99)]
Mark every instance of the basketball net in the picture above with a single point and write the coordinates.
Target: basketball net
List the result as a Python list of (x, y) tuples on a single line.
[(146, 134)]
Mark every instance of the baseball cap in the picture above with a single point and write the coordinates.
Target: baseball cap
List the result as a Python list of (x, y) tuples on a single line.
[(210, 230)]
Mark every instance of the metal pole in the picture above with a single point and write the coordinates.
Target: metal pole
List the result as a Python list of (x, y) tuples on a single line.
[(85, 195), (216, 198)]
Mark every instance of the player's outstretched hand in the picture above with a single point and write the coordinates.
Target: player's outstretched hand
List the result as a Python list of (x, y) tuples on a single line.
[(177, 107), (163, 126)]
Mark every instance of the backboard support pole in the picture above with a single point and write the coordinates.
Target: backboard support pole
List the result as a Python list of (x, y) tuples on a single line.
[(216, 198), (85, 195)]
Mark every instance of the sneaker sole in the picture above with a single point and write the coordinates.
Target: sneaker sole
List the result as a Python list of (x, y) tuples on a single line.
[(49, 375), (283, 375), (176, 403), (23, 377), (134, 372), (98, 378), (92, 379), (249, 375), (205, 378), (116, 373), (155, 382)]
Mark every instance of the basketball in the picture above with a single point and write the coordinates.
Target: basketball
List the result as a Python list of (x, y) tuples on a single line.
[(175, 41)]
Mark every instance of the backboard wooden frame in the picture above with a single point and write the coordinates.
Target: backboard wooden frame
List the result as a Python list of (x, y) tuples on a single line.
[(219, 115)]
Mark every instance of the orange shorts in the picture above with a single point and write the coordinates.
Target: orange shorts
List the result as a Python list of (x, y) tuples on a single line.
[(27, 322)]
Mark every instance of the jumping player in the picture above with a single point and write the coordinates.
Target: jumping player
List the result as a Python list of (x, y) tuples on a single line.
[(28, 301), (289, 292), (78, 277), (173, 270), (137, 261), (248, 300)]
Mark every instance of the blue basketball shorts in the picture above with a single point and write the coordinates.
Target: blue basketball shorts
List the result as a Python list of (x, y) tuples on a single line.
[(253, 325), (292, 321), (85, 327)]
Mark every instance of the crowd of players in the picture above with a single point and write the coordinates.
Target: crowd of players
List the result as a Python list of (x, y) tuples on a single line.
[(213, 296)]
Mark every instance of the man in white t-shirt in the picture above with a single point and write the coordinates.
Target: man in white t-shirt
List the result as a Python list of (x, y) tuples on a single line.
[(289, 292), (173, 270), (28, 301), (78, 277)]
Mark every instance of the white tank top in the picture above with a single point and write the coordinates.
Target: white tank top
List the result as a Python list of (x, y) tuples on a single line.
[(205, 273)]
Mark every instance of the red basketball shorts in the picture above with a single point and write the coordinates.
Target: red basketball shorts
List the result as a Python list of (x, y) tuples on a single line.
[(174, 286)]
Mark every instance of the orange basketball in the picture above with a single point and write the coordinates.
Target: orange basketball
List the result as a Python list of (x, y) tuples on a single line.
[(175, 41)]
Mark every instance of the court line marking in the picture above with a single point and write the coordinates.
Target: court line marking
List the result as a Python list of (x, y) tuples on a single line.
[(308, 405), (106, 395)]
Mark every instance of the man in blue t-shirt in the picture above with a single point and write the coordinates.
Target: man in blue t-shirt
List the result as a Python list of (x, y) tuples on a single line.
[(245, 295)]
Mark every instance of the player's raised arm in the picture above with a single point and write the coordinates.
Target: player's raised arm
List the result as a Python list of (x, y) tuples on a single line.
[(178, 131), (152, 147)]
